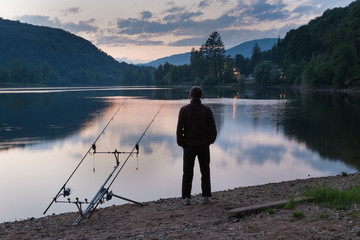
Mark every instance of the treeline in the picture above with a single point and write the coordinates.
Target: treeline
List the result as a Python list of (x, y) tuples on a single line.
[(323, 53), (209, 66), (19, 74), (43, 55)]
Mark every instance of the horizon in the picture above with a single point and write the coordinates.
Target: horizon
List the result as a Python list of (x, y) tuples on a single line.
[(141, 31)]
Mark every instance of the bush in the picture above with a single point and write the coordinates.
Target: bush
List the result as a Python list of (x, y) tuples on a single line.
[(210, 81)]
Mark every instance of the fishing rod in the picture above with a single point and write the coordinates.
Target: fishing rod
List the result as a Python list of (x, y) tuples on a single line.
[(100, 197), (66, 191)]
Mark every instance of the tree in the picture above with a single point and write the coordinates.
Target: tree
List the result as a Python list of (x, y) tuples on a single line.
[(256, 56), (242, 64), (210, 81), (45, 70), (346, 62), (159, 74), (213, 46), (266, 72), (214, 53), (3, 76), (198, 64), (228, 74), (129, 76)]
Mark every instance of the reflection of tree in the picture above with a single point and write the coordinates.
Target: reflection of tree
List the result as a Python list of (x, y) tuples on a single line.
[(327, 124), (255, 114), (26, 118), (218, 110)]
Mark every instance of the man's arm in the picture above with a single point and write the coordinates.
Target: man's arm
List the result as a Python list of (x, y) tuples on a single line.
[(180, 130), (212, 127)]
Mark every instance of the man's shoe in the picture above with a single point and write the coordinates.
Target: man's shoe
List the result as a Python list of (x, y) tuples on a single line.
[(205, 200), (186, 201)]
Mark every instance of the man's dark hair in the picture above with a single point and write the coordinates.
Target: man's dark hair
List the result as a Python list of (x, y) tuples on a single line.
[(196, 92)]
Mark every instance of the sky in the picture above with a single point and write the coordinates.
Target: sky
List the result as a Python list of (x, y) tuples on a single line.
[(140, 31)]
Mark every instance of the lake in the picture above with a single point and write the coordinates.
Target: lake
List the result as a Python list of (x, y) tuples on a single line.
[(264, 136)]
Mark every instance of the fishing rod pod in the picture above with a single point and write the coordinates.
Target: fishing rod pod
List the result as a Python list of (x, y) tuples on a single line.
[(104, 193)]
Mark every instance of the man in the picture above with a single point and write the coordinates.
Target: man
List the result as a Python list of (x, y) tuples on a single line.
[(196, 130)]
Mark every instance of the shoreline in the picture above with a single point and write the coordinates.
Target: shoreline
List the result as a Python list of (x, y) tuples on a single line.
[(169, 219)]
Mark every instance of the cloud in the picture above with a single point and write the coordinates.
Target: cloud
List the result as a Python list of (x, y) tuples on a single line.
[(175, 9), (146, 15), (120, 40), (190, 27), (179, 14), (190, 24), (82, 26), (182, 16), (72, 10), (262, 153), (303, 9), (189, 42), (183, 26), (261, 10), (204, 4), (133, 26), (39, 20)]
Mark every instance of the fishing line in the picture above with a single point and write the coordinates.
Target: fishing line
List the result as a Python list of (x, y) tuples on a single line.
[(105, 190), (137, 162), (93, 163), (136, 146)]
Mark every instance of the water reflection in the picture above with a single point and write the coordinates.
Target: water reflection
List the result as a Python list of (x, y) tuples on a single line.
[(31, 118), (328, 124), (261, 140)]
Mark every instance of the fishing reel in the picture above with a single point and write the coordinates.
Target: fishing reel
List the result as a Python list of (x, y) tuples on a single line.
[(109, 195), (93, 147), (66, 192), (137, 149)]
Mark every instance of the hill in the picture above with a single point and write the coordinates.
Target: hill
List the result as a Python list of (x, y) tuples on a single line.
[(177, 60), (244, 49), (43, 55), (325, 52)]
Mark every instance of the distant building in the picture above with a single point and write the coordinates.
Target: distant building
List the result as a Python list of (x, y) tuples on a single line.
[(236, 73), (250, 78)]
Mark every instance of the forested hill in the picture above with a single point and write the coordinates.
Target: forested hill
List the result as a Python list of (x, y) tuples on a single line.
[(42, 55), (325, 52)]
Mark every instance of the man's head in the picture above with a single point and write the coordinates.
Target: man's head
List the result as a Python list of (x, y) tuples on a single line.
[(195, 93)]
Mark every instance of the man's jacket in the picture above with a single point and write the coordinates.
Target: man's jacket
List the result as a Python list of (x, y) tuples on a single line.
[(196, 125)]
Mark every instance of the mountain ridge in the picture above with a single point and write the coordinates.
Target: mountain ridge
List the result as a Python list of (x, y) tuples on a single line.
[(244, 49)]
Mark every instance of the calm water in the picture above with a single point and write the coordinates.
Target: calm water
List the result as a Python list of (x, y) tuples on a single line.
[(263, 136)]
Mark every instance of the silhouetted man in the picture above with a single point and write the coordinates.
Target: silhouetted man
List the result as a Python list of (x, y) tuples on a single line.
[(196, 130)]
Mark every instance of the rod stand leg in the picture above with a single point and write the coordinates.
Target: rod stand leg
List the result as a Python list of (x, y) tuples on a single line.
[(126, 199)]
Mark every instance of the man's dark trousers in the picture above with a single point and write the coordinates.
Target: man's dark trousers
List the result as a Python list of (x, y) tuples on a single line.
[(203, 154)]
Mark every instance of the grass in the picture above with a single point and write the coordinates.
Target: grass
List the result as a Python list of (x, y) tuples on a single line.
[(298, 214), (334, 198), (270, 211), (324, 215), (354, 215), (290, 204)]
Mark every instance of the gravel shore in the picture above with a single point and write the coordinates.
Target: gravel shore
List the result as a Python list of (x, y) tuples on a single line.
[(169, 219)]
